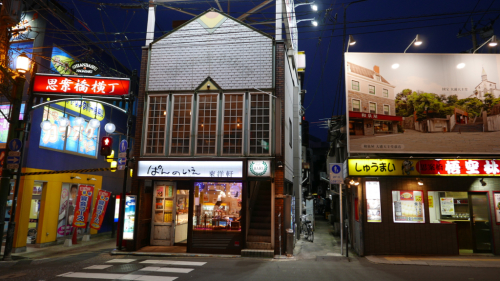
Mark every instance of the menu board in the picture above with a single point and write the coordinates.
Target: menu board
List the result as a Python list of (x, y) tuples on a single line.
[(374, 211), (447, 206), (497, 206), (408, 206)]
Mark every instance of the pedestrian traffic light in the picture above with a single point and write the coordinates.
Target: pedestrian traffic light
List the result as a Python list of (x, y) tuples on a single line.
[(106, 146)]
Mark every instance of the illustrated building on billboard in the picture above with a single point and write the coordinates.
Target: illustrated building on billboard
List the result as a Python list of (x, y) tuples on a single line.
[(370, 102), (486, 87)]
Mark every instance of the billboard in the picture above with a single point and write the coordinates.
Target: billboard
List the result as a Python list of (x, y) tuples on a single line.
[(423, 103)]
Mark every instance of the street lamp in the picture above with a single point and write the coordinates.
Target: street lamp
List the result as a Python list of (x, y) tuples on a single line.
[(23, 65), (351, 42), (314, 7), (492, 43), (313, 20), (415, 41)]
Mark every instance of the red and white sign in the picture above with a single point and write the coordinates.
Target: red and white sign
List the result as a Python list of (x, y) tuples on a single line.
[(78, 85), (459, 167), (82, 207), (100, 209)]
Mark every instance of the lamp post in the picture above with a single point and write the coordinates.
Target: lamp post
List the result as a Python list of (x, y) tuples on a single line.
[(415, 41), (492, 43), (22, 66)]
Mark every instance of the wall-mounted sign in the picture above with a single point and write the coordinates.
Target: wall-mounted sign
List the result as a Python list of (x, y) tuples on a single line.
[(76, 85), (447, 206), (373, 208), (128, 226), (88, 108), (259, 168), (335, 172), (85, 68), (427, 167), (191, 169)]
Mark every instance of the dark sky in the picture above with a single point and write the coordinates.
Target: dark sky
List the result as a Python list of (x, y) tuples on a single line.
[(377, 25)]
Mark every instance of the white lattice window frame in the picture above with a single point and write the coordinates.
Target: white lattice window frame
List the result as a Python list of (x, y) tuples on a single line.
[(174, 96), (250, 124), (243, 127), (216, 123), (148, 110)]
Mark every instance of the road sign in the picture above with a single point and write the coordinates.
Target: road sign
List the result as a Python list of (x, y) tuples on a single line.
[(14, 153), (15, 144), (123, 145), (13, 160), (122, 161), (121, 167), (12, 166), (335, 171), (122, 155)]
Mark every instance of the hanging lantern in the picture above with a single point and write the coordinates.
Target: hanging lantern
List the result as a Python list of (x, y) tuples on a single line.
[(64, 122), (79, 121), (23, 63), (94, 123), (110, 128), (46, 125)]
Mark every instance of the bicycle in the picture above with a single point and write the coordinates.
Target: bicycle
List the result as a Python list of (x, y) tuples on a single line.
[(307, 229)]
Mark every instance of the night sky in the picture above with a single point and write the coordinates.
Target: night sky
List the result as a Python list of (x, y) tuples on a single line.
[(377, 26)]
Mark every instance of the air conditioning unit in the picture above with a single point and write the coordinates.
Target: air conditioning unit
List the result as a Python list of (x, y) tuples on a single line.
[(11, 11)]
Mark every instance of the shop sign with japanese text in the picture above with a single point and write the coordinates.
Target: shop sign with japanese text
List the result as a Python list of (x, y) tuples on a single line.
[(424, 167), (77, 85), (82, 206), (191, 169), (100, 209)]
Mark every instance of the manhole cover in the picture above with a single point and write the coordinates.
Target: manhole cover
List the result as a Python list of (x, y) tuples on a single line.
[(125, 268), (12, 275)]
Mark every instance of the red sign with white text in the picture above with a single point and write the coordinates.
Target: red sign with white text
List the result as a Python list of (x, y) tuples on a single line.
[(100, 209), (82, 206), (458, 167), (78, 85)]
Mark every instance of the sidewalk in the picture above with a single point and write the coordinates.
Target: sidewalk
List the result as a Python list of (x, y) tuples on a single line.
[(98, 243), (459, 261), (324, 247)]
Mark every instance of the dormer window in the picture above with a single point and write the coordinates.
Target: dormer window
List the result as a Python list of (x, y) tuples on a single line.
[(377, 77)]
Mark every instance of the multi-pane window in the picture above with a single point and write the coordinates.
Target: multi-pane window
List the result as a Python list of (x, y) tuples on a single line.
[(371, 90), (157, 116), (355, 85), (259, 123), (356, 105), (207, 124), (232, 140), (373, 107), (386, 109), (386, 93), (181, 124)]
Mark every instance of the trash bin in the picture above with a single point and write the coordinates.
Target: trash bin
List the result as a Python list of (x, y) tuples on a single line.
[(289, 242)]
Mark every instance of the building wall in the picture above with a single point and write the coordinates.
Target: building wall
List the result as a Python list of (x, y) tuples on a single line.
[(366, 98), (426, 238), (288, 103), (235, 56)]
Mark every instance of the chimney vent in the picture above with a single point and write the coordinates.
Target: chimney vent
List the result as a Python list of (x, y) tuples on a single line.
[(376, 69)]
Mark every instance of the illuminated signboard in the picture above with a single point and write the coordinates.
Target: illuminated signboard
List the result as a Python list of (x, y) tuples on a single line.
[(395, 102), (424, 167), (78, 85), (128, 226), (193, 169)]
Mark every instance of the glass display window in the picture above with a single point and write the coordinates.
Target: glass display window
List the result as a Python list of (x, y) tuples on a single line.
[(408, 206), (217, 206), (448, 206)]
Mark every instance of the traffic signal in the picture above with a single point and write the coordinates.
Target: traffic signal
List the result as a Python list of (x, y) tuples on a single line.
[(106, 146)]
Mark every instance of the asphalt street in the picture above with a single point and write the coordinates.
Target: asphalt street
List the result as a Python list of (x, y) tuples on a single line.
[(103, 266)]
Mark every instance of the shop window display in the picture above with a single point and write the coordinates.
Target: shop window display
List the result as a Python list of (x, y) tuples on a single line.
[(448, 206), (217, 206), (408, 206)]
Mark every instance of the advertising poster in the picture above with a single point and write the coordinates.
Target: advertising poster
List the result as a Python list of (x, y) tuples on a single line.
[(373, 209), (128, 229), (61, 62), (497, 206), (62, 228), (80, 139), (447, 206), (100, 209), (410, 96), (82, 206), (4, 124), (408, 211)]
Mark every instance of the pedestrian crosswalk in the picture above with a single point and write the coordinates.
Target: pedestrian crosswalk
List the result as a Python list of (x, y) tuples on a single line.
[(154, 270)]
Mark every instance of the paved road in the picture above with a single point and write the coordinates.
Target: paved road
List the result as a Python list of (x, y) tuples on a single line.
[(102, 266)]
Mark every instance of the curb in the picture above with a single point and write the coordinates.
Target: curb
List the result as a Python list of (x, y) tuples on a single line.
[(188, 255)]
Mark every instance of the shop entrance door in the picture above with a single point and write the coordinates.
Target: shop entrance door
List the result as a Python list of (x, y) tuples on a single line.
[(163, 217), (36, 199), (480, 222)]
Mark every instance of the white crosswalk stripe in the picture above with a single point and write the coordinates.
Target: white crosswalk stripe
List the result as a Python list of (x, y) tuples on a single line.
[(162, 266)]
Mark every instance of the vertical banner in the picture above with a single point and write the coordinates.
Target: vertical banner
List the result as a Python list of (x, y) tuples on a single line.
[(128, 226), (83, 200), (100, 209)]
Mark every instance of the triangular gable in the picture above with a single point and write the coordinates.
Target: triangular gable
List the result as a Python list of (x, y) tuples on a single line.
[(211, 21), (208, 85)]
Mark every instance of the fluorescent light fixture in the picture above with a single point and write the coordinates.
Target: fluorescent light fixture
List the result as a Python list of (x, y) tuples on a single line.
[(91, 179), (76, 178)]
